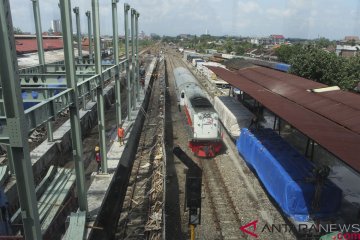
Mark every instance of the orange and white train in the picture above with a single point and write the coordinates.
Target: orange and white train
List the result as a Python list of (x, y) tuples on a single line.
[(205, 137)]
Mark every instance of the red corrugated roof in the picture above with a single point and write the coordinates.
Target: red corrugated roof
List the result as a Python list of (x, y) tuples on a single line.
[(277, 36), (339, 106), (30, 45), (332, 119)]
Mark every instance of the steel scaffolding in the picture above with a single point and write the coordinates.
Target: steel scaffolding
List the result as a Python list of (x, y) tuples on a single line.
[(60, 86)]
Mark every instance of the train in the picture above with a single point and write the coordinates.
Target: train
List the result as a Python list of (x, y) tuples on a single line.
[(204, 128), (300, 188), (283, 67), (290, 178)]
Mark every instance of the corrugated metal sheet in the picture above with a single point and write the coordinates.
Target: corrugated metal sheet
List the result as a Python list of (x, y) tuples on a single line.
[(30, 45), (328, 104), (323, 117)]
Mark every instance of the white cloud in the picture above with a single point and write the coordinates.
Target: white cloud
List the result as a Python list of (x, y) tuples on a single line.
[(276, 12), (297, 18), (249, 7)]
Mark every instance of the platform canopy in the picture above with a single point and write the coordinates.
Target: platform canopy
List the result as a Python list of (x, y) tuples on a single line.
[(329, 117)]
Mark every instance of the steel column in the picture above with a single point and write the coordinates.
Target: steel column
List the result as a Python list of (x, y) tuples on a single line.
[(10, 159), (36, 9), (99, 90), (116, 60), (137, 54), (88, 14), (65, 9), (126, 21), (78, 31), (16, 125), (133, 78)]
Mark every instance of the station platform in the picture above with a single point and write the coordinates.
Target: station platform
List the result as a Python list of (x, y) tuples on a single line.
[(100, 182)]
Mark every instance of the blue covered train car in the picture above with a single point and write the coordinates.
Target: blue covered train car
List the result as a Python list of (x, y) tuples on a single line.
[(282, 67), (288, 176)]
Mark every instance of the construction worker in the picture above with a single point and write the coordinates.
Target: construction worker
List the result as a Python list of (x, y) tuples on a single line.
[(98, 158), (142, 83), (121, 133)]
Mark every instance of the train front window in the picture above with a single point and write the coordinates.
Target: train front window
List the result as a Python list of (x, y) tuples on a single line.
[(200, 102)]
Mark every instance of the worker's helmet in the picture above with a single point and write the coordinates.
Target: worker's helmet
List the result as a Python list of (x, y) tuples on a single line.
[(97, 148)]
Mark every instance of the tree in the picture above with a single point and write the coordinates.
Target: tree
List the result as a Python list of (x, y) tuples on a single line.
[(17, 30), (323, 42), (228, 46), (317, 65), (286, 52), (327, 68), (351, 73)]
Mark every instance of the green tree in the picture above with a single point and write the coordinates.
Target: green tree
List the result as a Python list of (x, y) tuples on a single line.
[(17, 30), (286, 52), (327, 68), (351, 73), (228, 46), (317, 65), (323, 42)]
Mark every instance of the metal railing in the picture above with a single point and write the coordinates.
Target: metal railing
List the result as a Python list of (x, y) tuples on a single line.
[(48, 108)]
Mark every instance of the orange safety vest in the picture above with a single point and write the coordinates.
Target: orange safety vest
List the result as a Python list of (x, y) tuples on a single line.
[(120, 132)]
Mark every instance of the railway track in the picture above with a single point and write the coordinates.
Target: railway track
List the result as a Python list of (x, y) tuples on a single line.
[(224, 212), (232, 195), (143, 201)]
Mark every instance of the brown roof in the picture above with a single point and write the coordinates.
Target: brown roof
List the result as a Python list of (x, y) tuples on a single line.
[(332, 119), (276, 36), (349, 38), (29, 45)]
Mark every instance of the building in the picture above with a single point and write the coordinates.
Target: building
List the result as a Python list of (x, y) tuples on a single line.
[(271, 40), (254, 41), (277, 39), (351, 38), (347, 50), (142, 35), (56, 26), (28, 43)]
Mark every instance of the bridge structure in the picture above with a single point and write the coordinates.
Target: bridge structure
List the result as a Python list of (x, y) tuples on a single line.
[(59, 86)]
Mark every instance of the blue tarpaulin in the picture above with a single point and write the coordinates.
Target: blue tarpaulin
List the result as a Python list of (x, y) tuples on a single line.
[(282, 67), (287, 175)]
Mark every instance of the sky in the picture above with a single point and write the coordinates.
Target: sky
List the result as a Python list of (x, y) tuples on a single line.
[(311, 19)]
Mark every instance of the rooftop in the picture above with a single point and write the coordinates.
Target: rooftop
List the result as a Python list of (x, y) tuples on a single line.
[(331, 118), (29, 45)]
